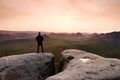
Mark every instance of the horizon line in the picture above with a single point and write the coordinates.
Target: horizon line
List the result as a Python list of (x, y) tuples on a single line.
[(57, 32)]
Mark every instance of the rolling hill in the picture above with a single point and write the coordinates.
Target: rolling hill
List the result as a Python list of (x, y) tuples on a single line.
[(107, 44)]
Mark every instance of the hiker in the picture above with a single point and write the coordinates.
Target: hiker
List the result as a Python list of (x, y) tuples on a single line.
[(39, 40)]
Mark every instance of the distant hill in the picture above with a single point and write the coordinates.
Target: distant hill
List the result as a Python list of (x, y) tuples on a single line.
[(70, 36), (11, 35), (17, 42), (113, 37)]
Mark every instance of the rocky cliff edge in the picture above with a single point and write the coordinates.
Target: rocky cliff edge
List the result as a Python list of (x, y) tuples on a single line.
[(81, 65), (30, 66)]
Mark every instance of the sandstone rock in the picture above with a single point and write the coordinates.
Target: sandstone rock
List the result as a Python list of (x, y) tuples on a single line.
[(81, 65), (30, 66)]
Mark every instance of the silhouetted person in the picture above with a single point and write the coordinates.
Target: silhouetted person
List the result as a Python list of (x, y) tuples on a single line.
[(39, 40)]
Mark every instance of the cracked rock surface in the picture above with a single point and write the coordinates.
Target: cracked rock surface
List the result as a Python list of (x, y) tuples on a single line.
[(81, 65), (30, 66)]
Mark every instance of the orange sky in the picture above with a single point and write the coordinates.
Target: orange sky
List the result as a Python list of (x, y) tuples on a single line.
[(60, 15)]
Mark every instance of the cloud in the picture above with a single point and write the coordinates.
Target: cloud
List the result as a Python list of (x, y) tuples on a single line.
[(99, 8), (10, 9), (60, 13)]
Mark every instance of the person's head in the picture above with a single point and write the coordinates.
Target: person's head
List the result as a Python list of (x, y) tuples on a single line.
[(39, 33)]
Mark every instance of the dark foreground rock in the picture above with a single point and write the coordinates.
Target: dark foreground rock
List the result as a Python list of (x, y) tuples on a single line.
[(30, 66), (81, 65)]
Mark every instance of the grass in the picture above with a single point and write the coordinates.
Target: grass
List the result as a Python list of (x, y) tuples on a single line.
[(55, 46)]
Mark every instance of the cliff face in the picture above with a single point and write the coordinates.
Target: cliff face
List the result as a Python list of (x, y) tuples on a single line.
[(30, 66), (81, 65)]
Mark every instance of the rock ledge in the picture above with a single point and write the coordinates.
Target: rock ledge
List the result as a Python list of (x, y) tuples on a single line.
[(30, 66), (81, 65)]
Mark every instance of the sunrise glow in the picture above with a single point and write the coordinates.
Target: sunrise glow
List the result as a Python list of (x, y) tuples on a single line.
[(60, 15)]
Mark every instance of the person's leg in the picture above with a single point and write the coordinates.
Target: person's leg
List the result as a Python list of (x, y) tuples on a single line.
[(38, 48), (42, 47)]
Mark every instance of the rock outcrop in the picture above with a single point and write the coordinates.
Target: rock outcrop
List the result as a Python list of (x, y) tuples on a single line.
[(30, 66), (81, 65)]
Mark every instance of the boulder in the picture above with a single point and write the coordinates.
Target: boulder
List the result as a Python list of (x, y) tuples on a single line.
[(30, 66), (81, 65)]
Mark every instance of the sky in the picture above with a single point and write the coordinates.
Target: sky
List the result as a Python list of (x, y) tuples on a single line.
[(99, 16)]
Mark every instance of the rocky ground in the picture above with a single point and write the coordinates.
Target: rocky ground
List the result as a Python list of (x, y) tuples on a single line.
[(30, 66), (81, 65), (74, 65)]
